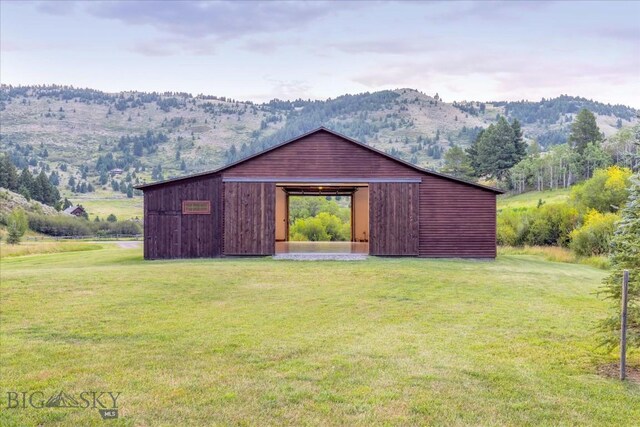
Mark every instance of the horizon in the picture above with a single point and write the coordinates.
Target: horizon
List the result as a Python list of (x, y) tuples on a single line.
[(465, 51), (196, 95)]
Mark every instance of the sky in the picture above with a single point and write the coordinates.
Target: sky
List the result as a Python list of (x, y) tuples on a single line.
[(481, 51)]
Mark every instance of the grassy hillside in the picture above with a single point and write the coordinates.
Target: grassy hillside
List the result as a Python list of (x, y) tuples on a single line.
[(264, 342), (68, 130), (532, 198)]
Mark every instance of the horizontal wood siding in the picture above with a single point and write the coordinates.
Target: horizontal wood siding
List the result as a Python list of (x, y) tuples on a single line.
[(322, 154), (169, 233), (394, 223), (456, 220), (249, 218), (434, 217)]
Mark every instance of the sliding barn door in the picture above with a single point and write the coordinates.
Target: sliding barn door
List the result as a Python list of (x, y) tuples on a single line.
[(249, 218), (393, 218)]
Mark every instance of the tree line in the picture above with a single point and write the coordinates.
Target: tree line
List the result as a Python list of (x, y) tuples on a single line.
[(499, 154), (38, 187)]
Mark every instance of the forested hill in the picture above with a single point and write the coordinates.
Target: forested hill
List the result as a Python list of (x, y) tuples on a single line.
[(87, 133)]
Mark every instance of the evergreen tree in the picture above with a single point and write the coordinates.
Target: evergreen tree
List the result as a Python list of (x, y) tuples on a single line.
[(8, 174), (495, 150), (520, 144), (583, 131), (625, 255), (26, 184), (138, 148), (457, 163)]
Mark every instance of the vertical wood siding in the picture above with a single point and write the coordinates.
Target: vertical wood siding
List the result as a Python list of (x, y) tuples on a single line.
[(394, 219), (170, 234), (456, 220), (249, 218)]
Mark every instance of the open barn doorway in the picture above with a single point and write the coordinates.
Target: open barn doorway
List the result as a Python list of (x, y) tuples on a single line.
[(322, 218)]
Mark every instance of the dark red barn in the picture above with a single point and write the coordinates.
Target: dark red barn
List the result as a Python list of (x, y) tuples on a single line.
[(398, 209)]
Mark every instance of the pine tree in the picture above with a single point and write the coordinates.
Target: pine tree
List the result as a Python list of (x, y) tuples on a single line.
[(8, 174), (625, 255), (457, 163), (520, 144), (26, 184), (584, 130), (495, 150)]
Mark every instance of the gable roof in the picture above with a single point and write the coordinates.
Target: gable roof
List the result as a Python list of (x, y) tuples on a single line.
[(71, 209), (321, 129)]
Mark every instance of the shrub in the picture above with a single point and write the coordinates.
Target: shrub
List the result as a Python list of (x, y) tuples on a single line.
[(551, 224), (17, 225), (124, 228), (513, 226), (594, 237), (59, 225), (606, 191), (310, 229)]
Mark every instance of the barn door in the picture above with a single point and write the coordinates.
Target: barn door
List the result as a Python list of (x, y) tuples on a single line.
[(393, 218), (249, 218)]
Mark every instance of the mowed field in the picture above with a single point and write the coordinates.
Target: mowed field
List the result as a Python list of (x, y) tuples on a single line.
[(264, 342), (122, 208), (532, 198)]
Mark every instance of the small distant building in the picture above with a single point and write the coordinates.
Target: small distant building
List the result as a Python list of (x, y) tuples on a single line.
[(116, 171), (77, 210)]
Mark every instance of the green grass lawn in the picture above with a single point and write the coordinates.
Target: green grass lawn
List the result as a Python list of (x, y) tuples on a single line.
[(122, 208), (531, 198), (263, 342)]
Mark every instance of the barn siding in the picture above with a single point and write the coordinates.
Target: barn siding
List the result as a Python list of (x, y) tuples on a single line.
[(394, 219), (169, 233), (452, 219), (456, 220), (249, 218), (321, 154)]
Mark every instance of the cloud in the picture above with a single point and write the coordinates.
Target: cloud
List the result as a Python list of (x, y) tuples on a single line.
[(283, 89), (56, 7), (388, 46), (503, 75), (222, 20), (173, 46), (493, 11)]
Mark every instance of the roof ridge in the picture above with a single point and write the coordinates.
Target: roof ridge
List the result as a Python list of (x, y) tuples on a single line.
[(299, 137)]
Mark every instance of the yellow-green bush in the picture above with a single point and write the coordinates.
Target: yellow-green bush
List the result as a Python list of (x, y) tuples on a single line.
[(606, 191), (594, 237), (549, 224)]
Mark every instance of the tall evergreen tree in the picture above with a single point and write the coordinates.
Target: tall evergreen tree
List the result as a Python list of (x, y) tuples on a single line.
[(584, 130), (496, 150), (8, 174), (520, 144), (625, 255), (26, 185)]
